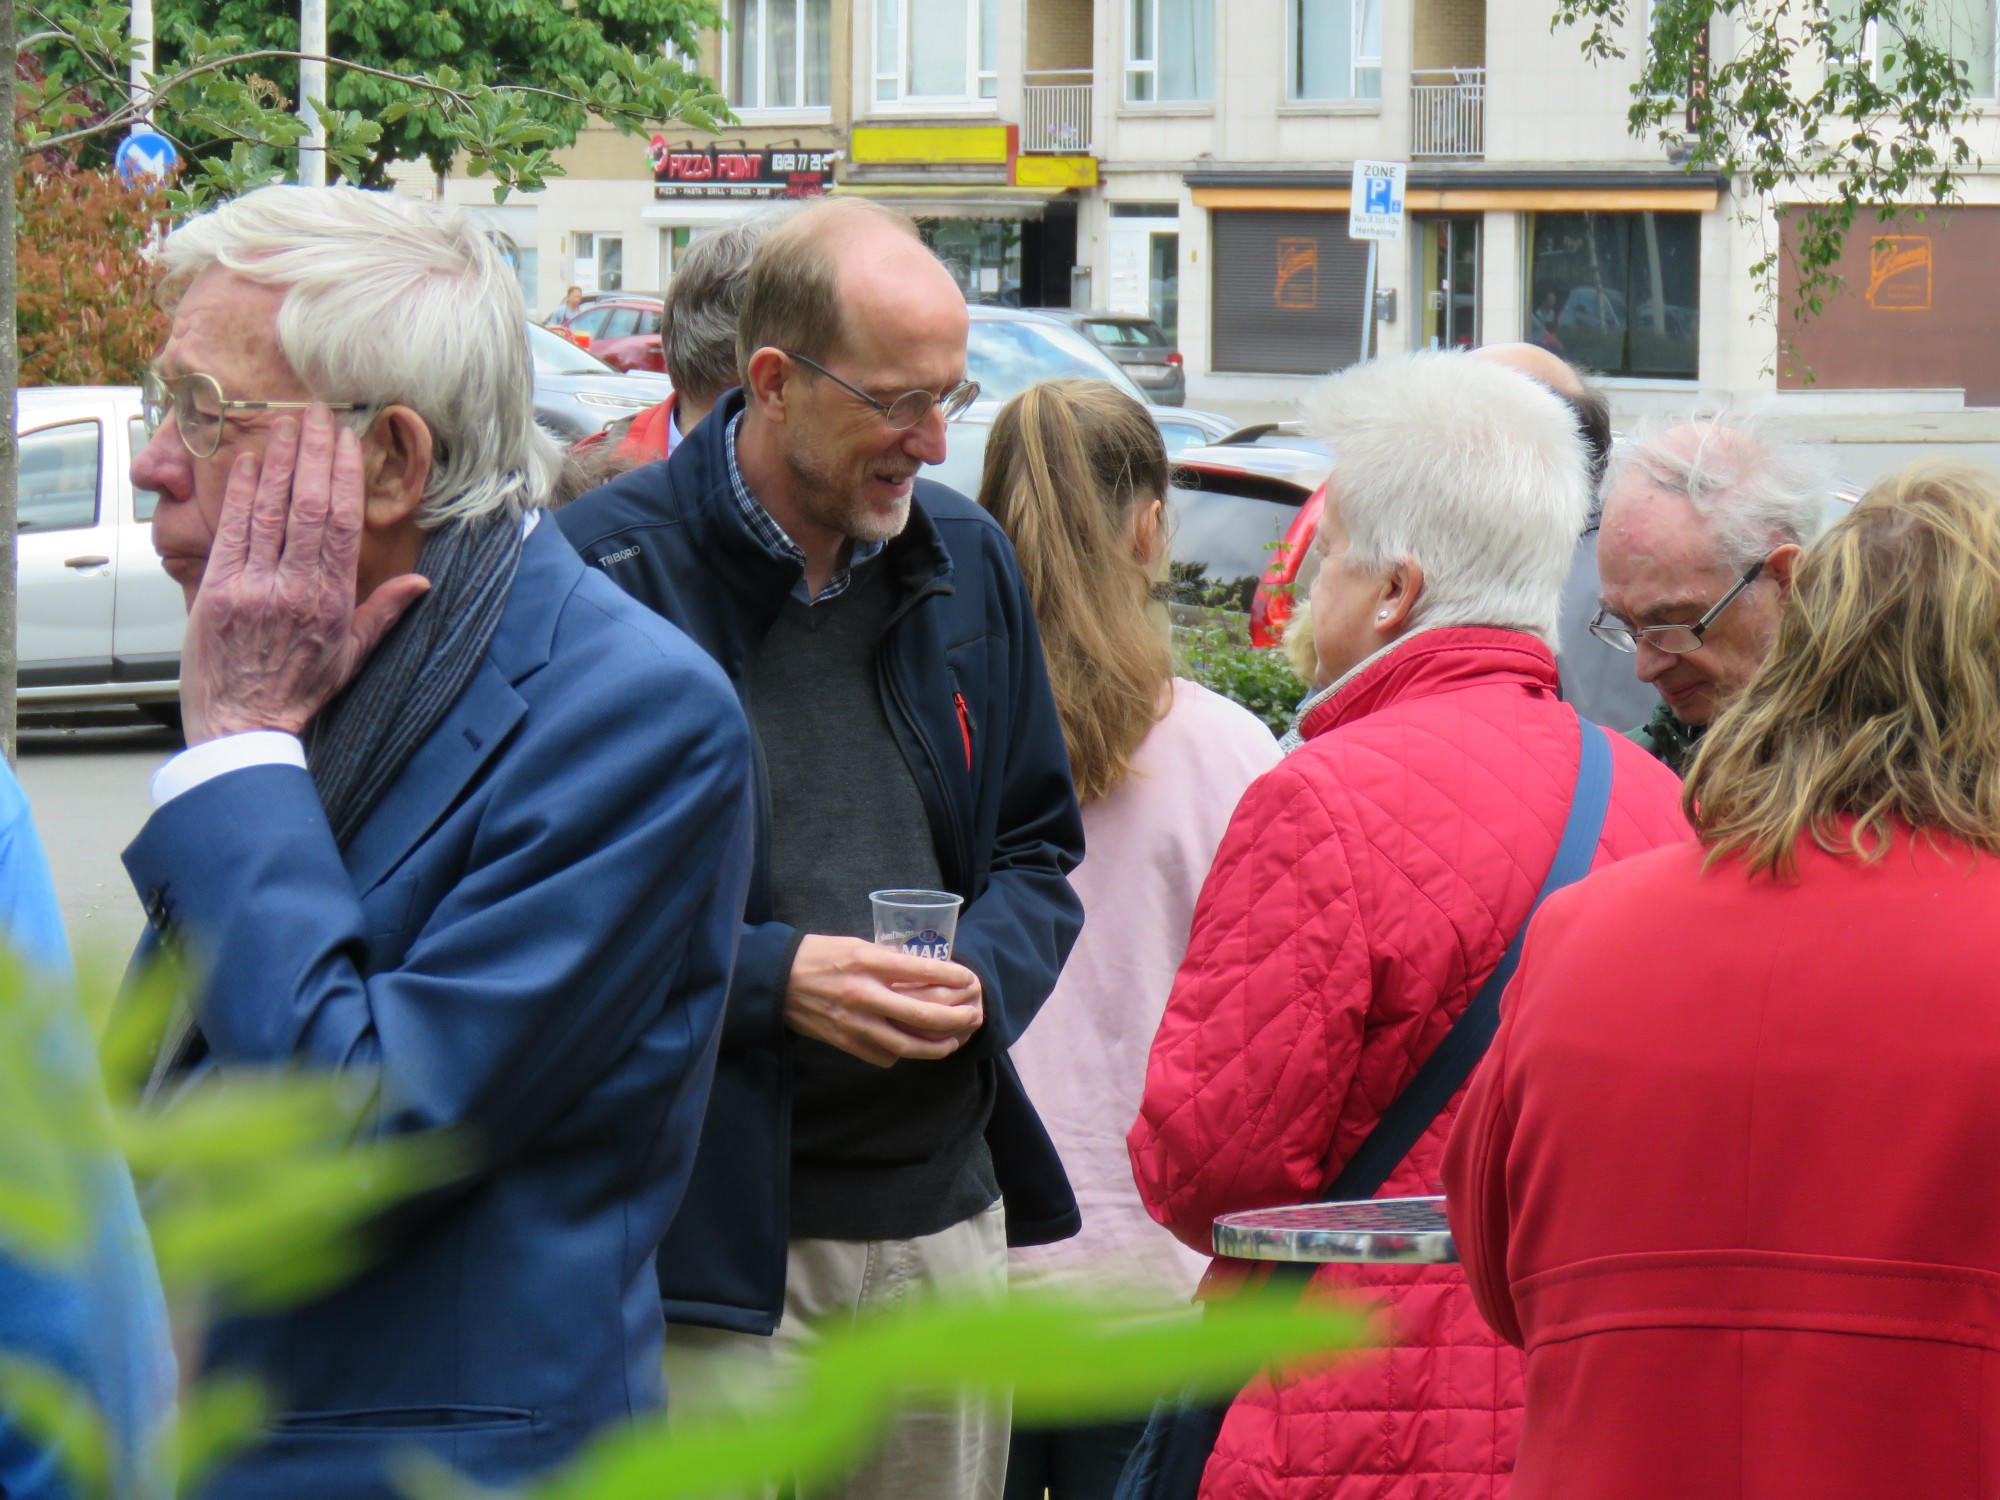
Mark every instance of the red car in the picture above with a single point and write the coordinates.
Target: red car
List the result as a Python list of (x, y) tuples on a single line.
[(1238, 537), (1286, 577), (623, 331), (1277, 476)]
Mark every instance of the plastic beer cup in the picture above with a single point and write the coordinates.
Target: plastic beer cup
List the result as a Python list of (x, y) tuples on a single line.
[(919, 922)]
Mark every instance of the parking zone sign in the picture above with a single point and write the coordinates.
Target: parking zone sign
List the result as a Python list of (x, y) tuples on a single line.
[(1375, 210)]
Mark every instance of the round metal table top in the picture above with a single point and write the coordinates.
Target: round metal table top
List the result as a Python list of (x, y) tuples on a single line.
[(1379, 1231)]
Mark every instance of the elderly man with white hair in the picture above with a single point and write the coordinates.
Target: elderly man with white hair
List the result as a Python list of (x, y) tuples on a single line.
[(459, 825), (1703, 524), (1366, 892)]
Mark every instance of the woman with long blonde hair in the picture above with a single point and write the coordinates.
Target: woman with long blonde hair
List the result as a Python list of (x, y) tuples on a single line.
[(1076, 474), (1727, 1172)]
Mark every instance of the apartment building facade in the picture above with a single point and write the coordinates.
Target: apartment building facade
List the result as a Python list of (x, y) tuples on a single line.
[(1191, 158)]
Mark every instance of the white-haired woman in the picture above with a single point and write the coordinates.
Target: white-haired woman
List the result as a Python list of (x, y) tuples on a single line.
[(1369, 885)]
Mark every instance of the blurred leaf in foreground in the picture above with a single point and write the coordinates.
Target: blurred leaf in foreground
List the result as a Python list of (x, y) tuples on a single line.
[(1064, 1360)]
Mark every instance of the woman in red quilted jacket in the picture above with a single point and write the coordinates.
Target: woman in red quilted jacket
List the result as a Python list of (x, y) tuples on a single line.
[(1366, 888), (1745, 1223)]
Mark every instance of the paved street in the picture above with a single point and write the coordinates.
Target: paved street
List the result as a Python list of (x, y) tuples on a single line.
[(87, 786)]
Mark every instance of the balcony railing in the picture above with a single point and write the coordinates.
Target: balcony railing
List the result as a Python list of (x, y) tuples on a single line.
[(1055, 115), (1448, 112)]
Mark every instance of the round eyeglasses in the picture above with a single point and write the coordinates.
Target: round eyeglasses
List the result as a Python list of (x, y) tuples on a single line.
[(907, 409), (198, 403), (1675, 640)]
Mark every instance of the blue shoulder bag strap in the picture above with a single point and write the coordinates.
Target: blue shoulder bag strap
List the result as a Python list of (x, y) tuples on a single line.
[(1446, 1069)]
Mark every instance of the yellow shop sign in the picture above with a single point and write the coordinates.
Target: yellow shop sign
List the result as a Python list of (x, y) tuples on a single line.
[(887, 145)]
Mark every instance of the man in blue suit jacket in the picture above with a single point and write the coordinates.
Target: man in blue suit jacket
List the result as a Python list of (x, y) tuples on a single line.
[(458, 822)]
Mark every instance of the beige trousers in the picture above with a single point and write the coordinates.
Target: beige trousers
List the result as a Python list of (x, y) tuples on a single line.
[(929, 1453)]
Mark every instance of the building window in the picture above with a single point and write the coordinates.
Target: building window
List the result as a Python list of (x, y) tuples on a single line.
[(1968, 29), (937, 49), (599, 264), (1169, 51), (1336, 48), (1618, 293), (778, 54)]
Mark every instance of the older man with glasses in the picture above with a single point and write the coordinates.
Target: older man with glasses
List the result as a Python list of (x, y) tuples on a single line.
[(1703, 524), (430, 837), (868, 1139)]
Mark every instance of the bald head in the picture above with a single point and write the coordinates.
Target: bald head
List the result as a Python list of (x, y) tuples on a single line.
[(834, 268), (891, 286), (1592, 411), (1537, 363), (845, 314)]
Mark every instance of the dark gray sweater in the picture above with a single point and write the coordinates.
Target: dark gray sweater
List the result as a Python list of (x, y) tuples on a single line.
[(876, 1153)]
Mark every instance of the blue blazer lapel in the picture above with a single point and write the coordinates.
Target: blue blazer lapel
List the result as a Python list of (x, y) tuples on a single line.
[(482, 719), (444, 765)]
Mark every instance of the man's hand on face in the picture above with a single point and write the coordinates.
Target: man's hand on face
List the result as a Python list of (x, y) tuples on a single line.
[(274, 631), (880, 1004)]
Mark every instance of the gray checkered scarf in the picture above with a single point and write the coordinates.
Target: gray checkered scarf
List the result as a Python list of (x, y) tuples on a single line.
[(361, 742)]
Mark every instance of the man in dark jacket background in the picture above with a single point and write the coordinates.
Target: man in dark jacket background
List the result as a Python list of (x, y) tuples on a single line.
[(867, 1137)]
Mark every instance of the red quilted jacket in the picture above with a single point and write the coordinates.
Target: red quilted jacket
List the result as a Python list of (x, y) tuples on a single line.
[(1366, 888)]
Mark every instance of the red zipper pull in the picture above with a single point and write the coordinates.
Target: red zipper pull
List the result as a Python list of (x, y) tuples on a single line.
[(964, 727)]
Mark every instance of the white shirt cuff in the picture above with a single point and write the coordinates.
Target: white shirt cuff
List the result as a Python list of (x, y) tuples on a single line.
[(218, 757)]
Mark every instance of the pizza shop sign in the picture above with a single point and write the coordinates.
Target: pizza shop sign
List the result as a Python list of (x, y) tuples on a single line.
[(718, 172)]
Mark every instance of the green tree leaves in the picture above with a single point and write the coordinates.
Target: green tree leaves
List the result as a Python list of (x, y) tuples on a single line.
[(524, 76), (1827, 109)]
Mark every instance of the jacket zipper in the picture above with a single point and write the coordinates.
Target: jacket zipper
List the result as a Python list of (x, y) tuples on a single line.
[(964, 728), (942, 811)]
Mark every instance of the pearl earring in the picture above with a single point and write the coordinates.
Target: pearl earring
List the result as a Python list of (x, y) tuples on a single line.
[(1382, 615)]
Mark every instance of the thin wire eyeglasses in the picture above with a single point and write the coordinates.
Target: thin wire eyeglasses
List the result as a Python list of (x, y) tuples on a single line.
[(198, 401), (1675, 640), (907, 409)]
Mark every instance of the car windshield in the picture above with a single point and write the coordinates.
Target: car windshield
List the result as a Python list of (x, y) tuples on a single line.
[(554, 355), (1006, 356)]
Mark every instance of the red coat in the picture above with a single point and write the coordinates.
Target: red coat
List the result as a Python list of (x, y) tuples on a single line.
[(1729, 1176), (1366, 888)]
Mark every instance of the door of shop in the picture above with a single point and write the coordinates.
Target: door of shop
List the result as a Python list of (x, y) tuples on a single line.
[(1448, 272), (1145, 256)]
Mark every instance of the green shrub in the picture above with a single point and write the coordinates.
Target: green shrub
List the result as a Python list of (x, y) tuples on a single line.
[(1214, 653)]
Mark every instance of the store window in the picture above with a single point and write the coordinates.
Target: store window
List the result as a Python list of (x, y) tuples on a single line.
[(1618, 293), (1169, 51), (983, 256), (523, 260), (1163, 284), (937, 50), (1967, 29), (1336, 48), (778, 54)]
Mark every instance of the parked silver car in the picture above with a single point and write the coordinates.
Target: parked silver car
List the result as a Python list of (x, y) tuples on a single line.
[(1008, 350), (100, 621), (577, 393)]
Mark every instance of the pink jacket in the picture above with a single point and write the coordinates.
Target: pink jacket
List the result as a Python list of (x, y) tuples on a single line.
[(1147, 849), (1365, 890)]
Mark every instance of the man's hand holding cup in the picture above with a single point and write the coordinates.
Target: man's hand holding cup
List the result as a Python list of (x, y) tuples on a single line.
[(898, 997)]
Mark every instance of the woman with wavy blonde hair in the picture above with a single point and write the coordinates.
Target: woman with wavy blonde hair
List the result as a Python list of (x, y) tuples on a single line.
[(1076, 474), (1726, 1174)]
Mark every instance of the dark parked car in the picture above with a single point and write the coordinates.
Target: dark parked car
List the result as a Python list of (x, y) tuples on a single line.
[(1139, 347)]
